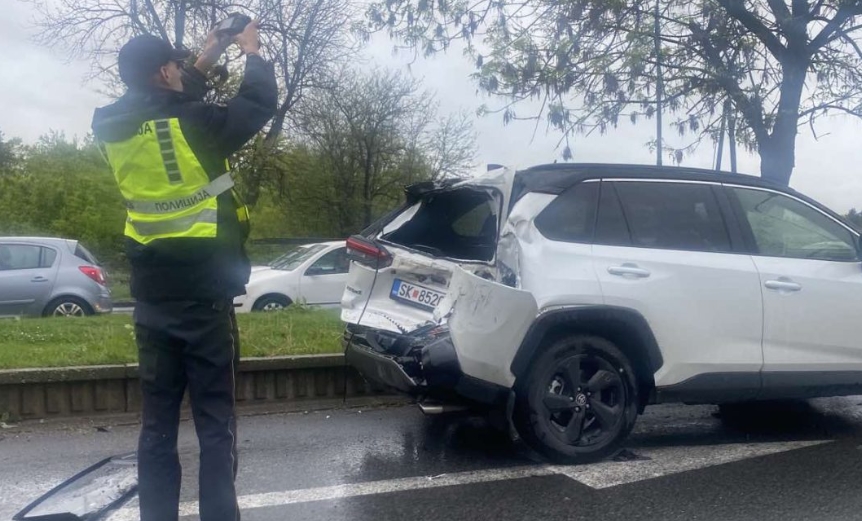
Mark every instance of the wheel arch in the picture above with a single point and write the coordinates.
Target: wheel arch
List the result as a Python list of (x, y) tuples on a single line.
[(272, 294), (69, 296), (626, 328)]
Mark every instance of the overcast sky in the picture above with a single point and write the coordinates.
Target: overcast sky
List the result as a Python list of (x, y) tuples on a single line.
[(40, 92)]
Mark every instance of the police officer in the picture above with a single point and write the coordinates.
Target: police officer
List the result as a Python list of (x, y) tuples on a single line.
[(184, 239)]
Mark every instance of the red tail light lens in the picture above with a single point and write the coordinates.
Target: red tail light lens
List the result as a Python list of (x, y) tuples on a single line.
[(367, 252), (94, 273)]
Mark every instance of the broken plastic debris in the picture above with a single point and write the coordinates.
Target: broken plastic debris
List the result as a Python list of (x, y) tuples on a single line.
[(89, 494)]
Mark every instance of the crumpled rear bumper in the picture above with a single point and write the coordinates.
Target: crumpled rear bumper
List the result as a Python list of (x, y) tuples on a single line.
[(423, 363)]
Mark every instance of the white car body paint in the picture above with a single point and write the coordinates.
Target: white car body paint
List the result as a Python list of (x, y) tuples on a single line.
[(296, 284), (712, 297), (366, 295), (812, 329), (488, 322)]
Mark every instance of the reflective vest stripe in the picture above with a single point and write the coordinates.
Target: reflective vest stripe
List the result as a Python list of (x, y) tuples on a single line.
[(166, 146), (176, 225), (219, 185)]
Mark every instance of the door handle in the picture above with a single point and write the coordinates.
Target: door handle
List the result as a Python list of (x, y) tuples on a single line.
[(39, 279), (629, 270), (782, 284)]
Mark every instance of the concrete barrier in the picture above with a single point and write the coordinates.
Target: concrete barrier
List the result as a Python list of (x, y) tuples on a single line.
[(85, 391)]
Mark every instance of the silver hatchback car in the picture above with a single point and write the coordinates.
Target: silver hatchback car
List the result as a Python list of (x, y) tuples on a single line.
[(42, 276)]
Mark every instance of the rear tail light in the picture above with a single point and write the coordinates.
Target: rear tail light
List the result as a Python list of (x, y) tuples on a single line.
[(367, 252), (94, 273)]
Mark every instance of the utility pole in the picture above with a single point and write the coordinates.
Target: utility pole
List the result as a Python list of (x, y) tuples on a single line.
[(659, 86), (731, 135), (721, 140)]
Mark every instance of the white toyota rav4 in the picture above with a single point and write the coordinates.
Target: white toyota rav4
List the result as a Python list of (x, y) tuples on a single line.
[(572, 296)]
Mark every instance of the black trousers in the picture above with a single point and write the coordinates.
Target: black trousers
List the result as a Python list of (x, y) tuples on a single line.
[(192, 345)]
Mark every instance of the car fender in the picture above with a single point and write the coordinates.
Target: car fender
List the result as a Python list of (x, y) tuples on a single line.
[(285, 284), (624, 326), (487, 322)]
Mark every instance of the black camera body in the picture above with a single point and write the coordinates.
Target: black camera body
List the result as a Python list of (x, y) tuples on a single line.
[(233, 24)]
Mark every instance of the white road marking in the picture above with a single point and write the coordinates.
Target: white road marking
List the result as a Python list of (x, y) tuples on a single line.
[(672, 460), (662, 462)]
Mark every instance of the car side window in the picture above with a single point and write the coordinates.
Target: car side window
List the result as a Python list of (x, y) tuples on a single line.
[(611, 227), (785, 227), (331, 263), (673, 216), (49, 255), (571, 216), (19, 256)]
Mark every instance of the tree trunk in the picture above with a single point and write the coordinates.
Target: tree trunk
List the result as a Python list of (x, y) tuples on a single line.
[(778, 151)]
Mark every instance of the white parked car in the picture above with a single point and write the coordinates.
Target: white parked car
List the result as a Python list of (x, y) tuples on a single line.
[(572, 296), (312, 274)]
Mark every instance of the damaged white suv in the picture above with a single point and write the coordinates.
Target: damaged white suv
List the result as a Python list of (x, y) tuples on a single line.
[(572, 296)]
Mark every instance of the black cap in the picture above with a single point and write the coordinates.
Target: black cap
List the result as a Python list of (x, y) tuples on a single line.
[(143, 56)]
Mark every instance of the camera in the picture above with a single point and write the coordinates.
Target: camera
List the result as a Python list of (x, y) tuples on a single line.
[(233, 24)]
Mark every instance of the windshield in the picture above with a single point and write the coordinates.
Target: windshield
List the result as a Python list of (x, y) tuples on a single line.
[(292, 259)]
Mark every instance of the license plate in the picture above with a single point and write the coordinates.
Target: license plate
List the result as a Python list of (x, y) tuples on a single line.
[(416, 295)]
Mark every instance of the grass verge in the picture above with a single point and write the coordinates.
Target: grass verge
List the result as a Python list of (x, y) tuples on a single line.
[(110, 339)]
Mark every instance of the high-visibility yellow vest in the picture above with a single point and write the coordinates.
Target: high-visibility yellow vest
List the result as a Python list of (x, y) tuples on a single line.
[(167, 192)]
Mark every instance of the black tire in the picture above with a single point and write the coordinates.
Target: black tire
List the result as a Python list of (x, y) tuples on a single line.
[(556, 407), (67, 307), (271, 302)]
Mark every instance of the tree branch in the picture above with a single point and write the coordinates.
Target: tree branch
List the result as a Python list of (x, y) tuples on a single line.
[(736, 9)]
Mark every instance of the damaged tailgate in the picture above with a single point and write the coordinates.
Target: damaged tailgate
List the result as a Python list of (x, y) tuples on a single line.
[(487, 322)]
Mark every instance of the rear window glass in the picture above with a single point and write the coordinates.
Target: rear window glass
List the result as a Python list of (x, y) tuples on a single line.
[(83, 253), (461, 224)]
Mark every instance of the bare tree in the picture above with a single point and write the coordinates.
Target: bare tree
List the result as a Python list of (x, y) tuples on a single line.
[(375, 133), (305, 39)]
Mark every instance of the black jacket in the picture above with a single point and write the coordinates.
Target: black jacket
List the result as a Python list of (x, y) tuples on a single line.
[(195, 268)]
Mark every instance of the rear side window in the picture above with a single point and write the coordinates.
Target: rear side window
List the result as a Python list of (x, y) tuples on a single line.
[(611, 226), (20, 256), (571, 217), (49, 255), (674, 216)]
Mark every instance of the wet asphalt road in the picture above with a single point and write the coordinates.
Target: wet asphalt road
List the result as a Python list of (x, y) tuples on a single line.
[(790, 462)]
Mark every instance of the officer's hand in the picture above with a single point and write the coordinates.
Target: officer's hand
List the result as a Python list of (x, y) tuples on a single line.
[(216, 45), (248, 40)]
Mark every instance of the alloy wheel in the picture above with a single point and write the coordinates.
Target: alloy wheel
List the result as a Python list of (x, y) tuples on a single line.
[(68, 309), (584, 401)]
